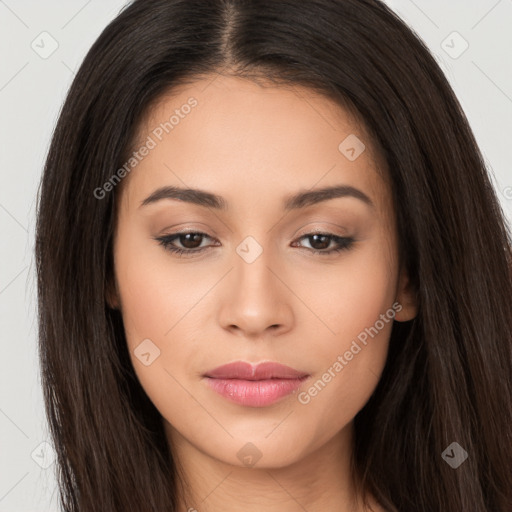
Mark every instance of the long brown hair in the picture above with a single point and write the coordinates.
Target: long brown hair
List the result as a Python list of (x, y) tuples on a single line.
[(448, 374)]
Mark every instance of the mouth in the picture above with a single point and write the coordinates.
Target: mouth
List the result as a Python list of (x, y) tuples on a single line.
[(254, 385)]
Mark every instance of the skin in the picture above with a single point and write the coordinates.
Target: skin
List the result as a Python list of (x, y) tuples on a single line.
[(255, 145)]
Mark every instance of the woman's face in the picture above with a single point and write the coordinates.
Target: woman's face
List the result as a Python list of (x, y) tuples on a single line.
[(251, 288)]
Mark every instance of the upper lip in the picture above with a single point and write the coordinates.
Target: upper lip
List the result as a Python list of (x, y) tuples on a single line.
[(248, 371)]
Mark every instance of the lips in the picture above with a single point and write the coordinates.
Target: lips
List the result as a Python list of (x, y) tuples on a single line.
[(254, 385), (263, 371)]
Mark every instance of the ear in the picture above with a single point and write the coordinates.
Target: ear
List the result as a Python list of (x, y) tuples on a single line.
[(406, 297), (112, 295)]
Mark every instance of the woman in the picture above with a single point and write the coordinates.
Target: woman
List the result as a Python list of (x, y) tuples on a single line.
[(272, 269)]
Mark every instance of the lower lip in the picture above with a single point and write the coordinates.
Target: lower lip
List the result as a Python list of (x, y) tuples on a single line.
[(254, 393)]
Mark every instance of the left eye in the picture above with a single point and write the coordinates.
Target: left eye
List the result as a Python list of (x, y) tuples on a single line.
[(191, 243), (325, 239)]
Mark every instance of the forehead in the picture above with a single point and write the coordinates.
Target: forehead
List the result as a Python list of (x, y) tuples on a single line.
[(238, 138)]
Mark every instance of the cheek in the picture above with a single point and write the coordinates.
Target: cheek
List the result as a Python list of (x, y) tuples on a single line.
[(352, 359), (154, 292), (350, 295), (160, 308)]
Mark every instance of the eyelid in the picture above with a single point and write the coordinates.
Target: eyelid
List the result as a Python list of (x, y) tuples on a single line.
[(311, 231), (320, 231)]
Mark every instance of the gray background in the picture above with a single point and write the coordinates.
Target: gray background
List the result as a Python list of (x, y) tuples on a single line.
[(33, 84)]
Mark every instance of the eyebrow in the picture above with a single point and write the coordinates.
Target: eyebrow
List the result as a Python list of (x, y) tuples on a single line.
[(298, 200)]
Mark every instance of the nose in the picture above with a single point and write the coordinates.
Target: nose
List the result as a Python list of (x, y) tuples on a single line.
[(255, 301)]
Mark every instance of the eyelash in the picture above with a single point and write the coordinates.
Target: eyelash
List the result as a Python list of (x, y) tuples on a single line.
[(344, 243)]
